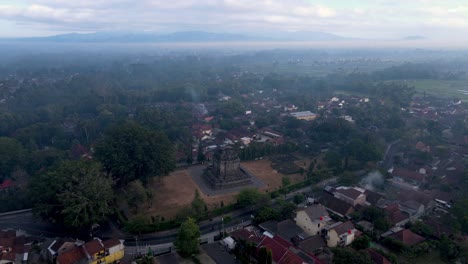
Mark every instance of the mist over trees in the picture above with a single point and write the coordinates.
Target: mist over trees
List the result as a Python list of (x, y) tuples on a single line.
[(69, 124)]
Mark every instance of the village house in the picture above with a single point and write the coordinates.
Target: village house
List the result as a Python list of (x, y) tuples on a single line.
[(283, 252), (312, 245), (249, 234), (395, 216), (271, 133), (312, 219), (336, 206), (422, 147), (351, 195), (14, 248), (406, 237), (413, 208), (304, 115), (95, 251), (61, 246), (290, 108), (286, 229), (407, 176), (7, 185), (377, 258), (341, 234)]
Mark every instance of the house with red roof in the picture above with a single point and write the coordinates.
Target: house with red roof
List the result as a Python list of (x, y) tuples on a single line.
[(312, 219), (351, 195), (377, 258), (249, 234), (7, 185), (335, 205), (284, 252), (395, 216), (74, 256), (13, 248), (407, 237), (93, 252), (408, 176), (341, 234)]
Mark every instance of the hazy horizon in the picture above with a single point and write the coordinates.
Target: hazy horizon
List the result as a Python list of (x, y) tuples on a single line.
[(438, 21)]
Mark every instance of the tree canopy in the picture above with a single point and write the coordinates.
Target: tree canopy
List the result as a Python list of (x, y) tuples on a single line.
[(187, 238), (75, 193), (130, 152)]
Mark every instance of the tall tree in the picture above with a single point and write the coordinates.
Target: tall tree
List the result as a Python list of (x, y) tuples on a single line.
[(76, 193), (131, 152), (198, 205), (187, 238)]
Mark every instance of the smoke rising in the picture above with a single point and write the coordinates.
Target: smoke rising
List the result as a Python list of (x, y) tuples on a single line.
[(373, 181)]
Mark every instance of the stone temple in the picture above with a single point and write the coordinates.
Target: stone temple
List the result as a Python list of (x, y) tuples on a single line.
[(225, 172)]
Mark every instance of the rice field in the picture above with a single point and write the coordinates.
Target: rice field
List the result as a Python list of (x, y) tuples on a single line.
[(442, 88)]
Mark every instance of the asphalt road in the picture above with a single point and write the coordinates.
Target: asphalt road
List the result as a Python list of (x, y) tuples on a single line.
[(171, 236), (390, 152), (27, 222)]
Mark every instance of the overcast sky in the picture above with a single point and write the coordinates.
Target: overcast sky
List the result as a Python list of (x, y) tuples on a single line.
[(382, 19)]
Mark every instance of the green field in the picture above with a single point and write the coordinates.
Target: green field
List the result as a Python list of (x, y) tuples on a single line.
[(443, 88)]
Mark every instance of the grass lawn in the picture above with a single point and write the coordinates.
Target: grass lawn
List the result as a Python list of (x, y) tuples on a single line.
[(444, 88)]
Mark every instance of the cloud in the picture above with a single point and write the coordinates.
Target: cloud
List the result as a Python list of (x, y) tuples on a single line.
[(366, 18)]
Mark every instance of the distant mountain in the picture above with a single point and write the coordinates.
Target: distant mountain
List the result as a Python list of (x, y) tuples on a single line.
[(414, 38), (186, 36), (309, 36)]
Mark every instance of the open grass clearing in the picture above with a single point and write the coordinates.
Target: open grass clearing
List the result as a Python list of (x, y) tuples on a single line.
[(177, 191)]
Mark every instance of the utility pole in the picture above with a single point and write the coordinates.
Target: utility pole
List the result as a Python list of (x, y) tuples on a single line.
[(222, 223), (136, 243)]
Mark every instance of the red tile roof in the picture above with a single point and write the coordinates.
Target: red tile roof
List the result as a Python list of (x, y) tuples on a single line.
[(407, 237), (111, 243), (344, 227), (8, 233), (408, 174), (290, 258), (349, 192), (8, 183), (277, 249), (377, 258), (7, 242), (391, 208), (93, 247), (394, 214), (249, 236), (71, 257), (9, 256), (336, 205), (208, 118)]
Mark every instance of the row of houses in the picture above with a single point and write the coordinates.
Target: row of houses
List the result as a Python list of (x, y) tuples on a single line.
[(17, 248), (14, 247), (309, 236), (96, 251)]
